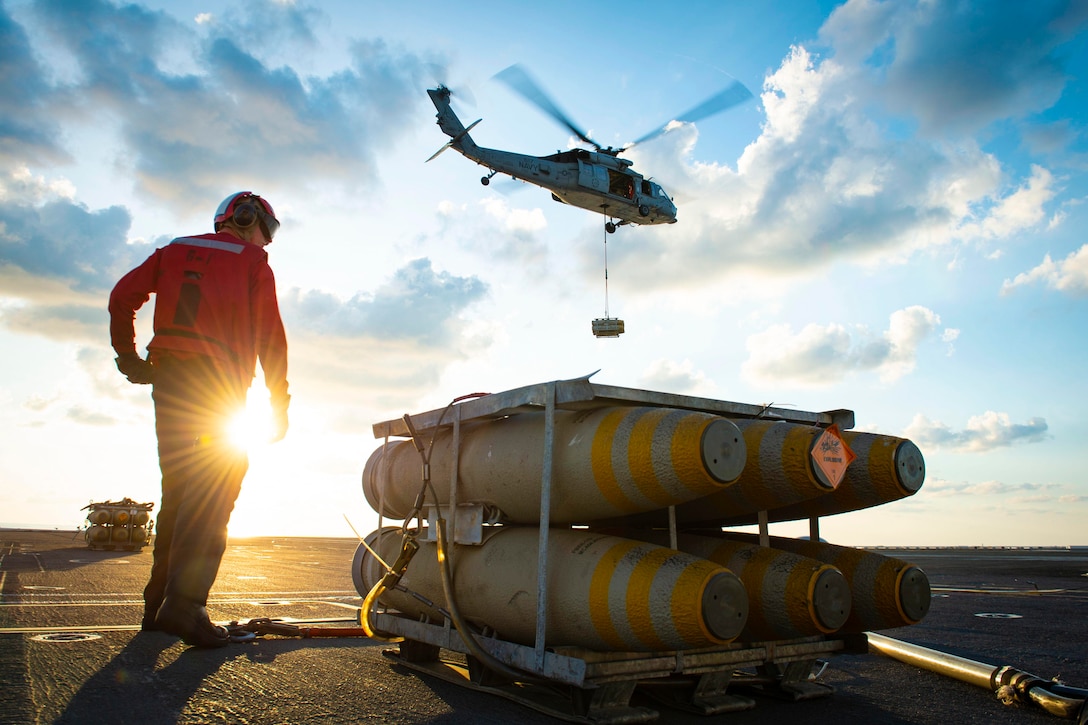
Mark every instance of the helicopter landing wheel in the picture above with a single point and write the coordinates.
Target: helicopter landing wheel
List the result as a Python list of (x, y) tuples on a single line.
[(644, 210), (610, 227), (485, 180)]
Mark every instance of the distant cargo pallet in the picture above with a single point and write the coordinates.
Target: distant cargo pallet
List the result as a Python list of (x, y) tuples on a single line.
[(112, 524)]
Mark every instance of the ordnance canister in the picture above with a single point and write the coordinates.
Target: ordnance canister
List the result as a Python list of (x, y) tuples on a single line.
[(606, 462), (789, 595), (887, 468), (100, 516), (779, 471), (98, 534), (604, 592), (887, 592)]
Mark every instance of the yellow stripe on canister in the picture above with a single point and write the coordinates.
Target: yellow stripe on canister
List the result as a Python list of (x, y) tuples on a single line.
[(600, 608), (601, 459)]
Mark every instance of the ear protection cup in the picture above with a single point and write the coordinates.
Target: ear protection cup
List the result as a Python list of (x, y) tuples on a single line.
[(245, 215)]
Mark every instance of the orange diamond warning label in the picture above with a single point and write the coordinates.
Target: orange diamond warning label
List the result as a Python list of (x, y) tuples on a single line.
[(831, 456)]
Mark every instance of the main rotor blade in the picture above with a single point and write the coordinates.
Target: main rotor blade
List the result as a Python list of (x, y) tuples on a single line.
[(521, 82), (733, 95)]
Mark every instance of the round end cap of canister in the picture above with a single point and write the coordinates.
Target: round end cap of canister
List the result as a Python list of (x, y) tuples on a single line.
[(831, 599), (725, 606), (724, 450), (910, 466), (914, 593)]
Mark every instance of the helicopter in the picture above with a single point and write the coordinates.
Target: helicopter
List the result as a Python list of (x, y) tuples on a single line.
[(599, 179)]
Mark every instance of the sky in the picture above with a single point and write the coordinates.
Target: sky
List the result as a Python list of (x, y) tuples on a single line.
[(892, 225)]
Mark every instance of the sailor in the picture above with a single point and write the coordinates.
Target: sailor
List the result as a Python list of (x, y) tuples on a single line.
[(215, 315)]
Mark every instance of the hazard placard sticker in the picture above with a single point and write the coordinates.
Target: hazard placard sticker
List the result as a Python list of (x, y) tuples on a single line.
[(832, 456)]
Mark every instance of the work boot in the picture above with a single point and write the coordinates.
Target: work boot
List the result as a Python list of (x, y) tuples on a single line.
[(190, 621), (148, 624)]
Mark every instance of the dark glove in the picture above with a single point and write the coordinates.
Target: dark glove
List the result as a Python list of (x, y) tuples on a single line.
[(279, 417), (136, 369)]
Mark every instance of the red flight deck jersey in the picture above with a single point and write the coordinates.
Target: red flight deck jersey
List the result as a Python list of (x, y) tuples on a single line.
[(215, 295)]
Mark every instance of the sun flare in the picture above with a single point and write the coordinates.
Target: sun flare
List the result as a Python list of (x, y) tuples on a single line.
[(253, 425)]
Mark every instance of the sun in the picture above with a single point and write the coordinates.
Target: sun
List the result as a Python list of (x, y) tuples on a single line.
[(252, 426)]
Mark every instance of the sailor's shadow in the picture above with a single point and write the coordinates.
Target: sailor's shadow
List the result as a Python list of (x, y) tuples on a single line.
[(129, 689)]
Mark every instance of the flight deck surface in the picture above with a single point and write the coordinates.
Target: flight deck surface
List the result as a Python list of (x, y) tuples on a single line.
[(71, 652)]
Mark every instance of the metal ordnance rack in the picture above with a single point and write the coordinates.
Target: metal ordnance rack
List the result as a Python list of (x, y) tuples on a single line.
[(600, 683)]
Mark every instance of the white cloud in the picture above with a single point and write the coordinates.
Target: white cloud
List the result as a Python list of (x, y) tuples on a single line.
[(983, 432), (195, 111), (24, 187), (446, 208), (415, 304), (867, 154), (792, 95), (949, 336), (836, 173), (956, 66), (1019, 210), (1069, 275), (1036, 492), (501, 234), (515, 221), (673, 377), (821, 355)]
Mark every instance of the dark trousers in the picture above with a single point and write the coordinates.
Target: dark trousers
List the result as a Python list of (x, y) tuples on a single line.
[(201, 476)]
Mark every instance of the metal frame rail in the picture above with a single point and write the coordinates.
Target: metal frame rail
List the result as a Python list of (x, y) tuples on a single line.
[(580, 394)]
